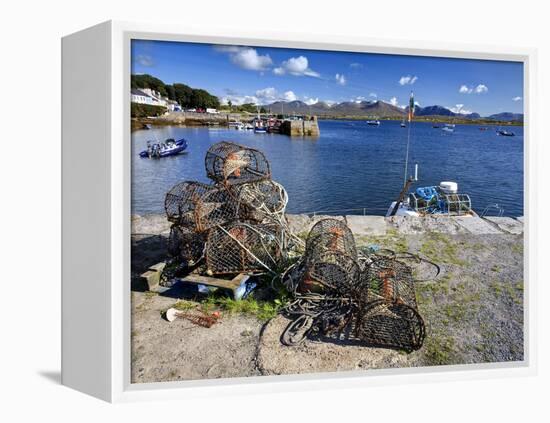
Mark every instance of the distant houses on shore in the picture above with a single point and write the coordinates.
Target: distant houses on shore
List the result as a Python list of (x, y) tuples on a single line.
[(154, 98)]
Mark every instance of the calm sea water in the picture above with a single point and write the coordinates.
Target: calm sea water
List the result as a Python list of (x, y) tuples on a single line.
[(350, 167)]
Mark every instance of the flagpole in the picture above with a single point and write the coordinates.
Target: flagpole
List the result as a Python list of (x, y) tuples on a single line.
[(411, 112)]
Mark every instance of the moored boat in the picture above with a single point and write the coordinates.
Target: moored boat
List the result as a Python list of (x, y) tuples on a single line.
[(375, 122), (504, 133), (157, 150)]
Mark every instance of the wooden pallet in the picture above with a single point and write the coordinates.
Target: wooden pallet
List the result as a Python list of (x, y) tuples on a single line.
[(237, 285)]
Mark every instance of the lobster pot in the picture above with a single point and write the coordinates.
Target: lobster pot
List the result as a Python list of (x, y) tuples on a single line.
[(390, 316), (391, 325), (331, 272), (197, 207), (186, 246), (330, 235), (231, 164), (262, 201), (240, 247)]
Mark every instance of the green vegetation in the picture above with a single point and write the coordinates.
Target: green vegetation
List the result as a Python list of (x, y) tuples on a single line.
[(440, 249), (183, 94), (439, 350), (144, 110)]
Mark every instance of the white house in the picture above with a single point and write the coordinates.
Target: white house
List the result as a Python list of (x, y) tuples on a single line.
[(141, 97)]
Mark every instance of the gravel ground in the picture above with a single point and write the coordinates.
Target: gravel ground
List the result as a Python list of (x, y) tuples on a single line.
[(473, 314)]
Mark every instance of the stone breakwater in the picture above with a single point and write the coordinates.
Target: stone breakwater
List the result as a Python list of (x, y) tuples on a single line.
[(156, 224)]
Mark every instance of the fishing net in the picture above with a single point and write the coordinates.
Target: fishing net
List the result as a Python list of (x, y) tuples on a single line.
[(186, 246), (242, 247), (330, 235), (197, 207), (228, 163)]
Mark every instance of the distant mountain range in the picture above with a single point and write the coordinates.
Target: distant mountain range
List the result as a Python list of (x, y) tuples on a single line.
[(378, 109)]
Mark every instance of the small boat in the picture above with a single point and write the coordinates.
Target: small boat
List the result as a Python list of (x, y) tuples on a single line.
[(504, 133), (157, 150), (236, 125), (248, 127), (403, 124), (436, 126), (448, 129), (146, 126), (483, 128), (373, 122)]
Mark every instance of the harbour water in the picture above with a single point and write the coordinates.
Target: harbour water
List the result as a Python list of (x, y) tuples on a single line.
[(352, 168)]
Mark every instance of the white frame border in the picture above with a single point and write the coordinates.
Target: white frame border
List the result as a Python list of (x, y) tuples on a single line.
[(121, 388)]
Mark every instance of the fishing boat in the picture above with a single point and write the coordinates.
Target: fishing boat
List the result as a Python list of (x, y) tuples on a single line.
[(443, 199), (504, 133), (158, 150), (449, 128), (259, 127), (429, 200), (236, 125), (373, 122)]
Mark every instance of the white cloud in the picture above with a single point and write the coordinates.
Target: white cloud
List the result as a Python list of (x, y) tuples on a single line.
[(237, 100), (459, 108), (144, 60), (297, 66), (289, 96), (479, 89), (373, 95), (358, 99), (393, 101), (309, 100), (407, 80), (246, 57), (518, 98), (340, 79)]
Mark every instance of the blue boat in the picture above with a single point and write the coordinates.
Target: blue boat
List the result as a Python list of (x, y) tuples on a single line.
[(170, 147)]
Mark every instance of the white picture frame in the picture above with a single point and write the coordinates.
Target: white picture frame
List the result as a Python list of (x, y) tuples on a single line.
[(96, 190)]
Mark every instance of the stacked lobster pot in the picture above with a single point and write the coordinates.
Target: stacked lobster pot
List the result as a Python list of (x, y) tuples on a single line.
[(236, 224), (370, 300)]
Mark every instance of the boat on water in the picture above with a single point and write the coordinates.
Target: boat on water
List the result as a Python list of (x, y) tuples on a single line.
[(505, 133), (429, 200), (248, 127), (403, 124), (449, 128), (375, 122), (146, 126), (433, 200), (239, 126), (483, 128), (158, 150), (436, 126)]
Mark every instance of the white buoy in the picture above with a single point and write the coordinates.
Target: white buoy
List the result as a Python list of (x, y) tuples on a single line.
[(171, 314)]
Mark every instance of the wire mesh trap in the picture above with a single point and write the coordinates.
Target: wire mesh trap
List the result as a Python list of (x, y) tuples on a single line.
[(330, 235), (389, 314), (230, 164), (331, 272), (186, 246), (242, 247), (262, 201), (197, 207)]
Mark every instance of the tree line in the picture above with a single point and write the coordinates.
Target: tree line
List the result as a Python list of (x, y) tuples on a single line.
[(185, 95)]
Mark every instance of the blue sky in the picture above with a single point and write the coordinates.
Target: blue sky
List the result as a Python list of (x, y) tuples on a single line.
[(264, 75)]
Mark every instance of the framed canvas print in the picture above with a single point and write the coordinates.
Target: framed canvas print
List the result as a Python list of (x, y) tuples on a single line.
[(258, 211)]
